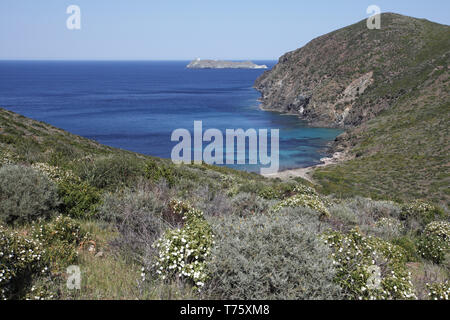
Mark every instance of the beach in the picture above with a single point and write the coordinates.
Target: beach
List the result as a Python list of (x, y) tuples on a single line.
[(305, 173)]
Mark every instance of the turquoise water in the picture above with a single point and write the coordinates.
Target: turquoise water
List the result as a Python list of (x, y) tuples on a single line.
[(137, 105)]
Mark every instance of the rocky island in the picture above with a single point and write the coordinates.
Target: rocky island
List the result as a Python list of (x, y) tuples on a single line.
[(220, 64)]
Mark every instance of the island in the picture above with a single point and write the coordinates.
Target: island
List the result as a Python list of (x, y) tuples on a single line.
[(220, 64)]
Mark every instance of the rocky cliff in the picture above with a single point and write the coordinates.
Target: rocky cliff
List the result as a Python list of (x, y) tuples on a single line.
[(335, 79), (390, 89)]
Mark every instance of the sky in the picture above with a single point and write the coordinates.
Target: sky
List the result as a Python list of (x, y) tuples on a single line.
[(184, 29)]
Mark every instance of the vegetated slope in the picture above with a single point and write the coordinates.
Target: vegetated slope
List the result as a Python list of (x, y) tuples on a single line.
[(27, 141), (389, 89), (118, 215)]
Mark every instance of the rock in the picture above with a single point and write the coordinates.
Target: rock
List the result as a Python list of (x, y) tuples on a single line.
[(213, 64)]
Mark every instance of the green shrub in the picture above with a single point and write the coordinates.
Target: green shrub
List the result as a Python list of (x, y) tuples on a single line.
[(435, 241), (20, 260), (278, 191), (183, 251), (79, 199), (409, 245), (418, 214), (270, 257), (157, 171), (61, 238), (369, 268), (305, 200), (110, 172), (439, 291), (25, 195)]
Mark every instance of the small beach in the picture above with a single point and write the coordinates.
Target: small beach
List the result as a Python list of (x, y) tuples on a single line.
[(305, 173)]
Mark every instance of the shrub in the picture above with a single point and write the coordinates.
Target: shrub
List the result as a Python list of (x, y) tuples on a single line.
[(342, 218), (369, 268), (304, 189), (279, 191), (435, 241), (311, 201), (369, 211), (55, 174), (387, 228), (270, 257), (79, 199), (439, 291), (418, 214), (61, 238), (246, 204), (110, 172), (211, 201), (20, 260), (138, 215), (183, 251), (157, 171), (409, 246), (25, 195), (7, 158)]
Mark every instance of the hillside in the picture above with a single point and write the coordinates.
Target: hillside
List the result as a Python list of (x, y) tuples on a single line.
[(140, 227), (389, 89)]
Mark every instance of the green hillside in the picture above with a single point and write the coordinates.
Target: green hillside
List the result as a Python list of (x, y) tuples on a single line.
[(389, 89), (140, 227)]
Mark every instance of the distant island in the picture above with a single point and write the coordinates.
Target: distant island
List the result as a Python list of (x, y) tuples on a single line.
[(219, 64)]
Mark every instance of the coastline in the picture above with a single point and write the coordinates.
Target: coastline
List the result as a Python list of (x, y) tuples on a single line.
[(305, 173)]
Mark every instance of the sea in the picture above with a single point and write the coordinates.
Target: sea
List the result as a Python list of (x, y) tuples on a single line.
[(136, 105)]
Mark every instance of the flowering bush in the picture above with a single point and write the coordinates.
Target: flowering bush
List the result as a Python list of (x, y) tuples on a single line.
[(439, 291), (421, 213), (25, 195), (388, 227), (183, 251), (20, 259), (61, 238), (311, 201), (56, 174), (369, 268), (435, 241), (7, 157), (301, 188)]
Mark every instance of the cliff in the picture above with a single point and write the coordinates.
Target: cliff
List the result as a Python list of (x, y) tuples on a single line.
[(389, 89), (343, 78)]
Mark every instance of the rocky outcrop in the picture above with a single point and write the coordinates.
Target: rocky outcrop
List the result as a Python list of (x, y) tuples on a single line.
[(217, 64), (339, 79)]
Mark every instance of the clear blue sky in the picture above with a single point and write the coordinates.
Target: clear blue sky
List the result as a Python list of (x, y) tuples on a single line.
[(183, 29)]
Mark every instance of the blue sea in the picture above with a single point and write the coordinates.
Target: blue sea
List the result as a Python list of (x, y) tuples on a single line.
[(136, 105)]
